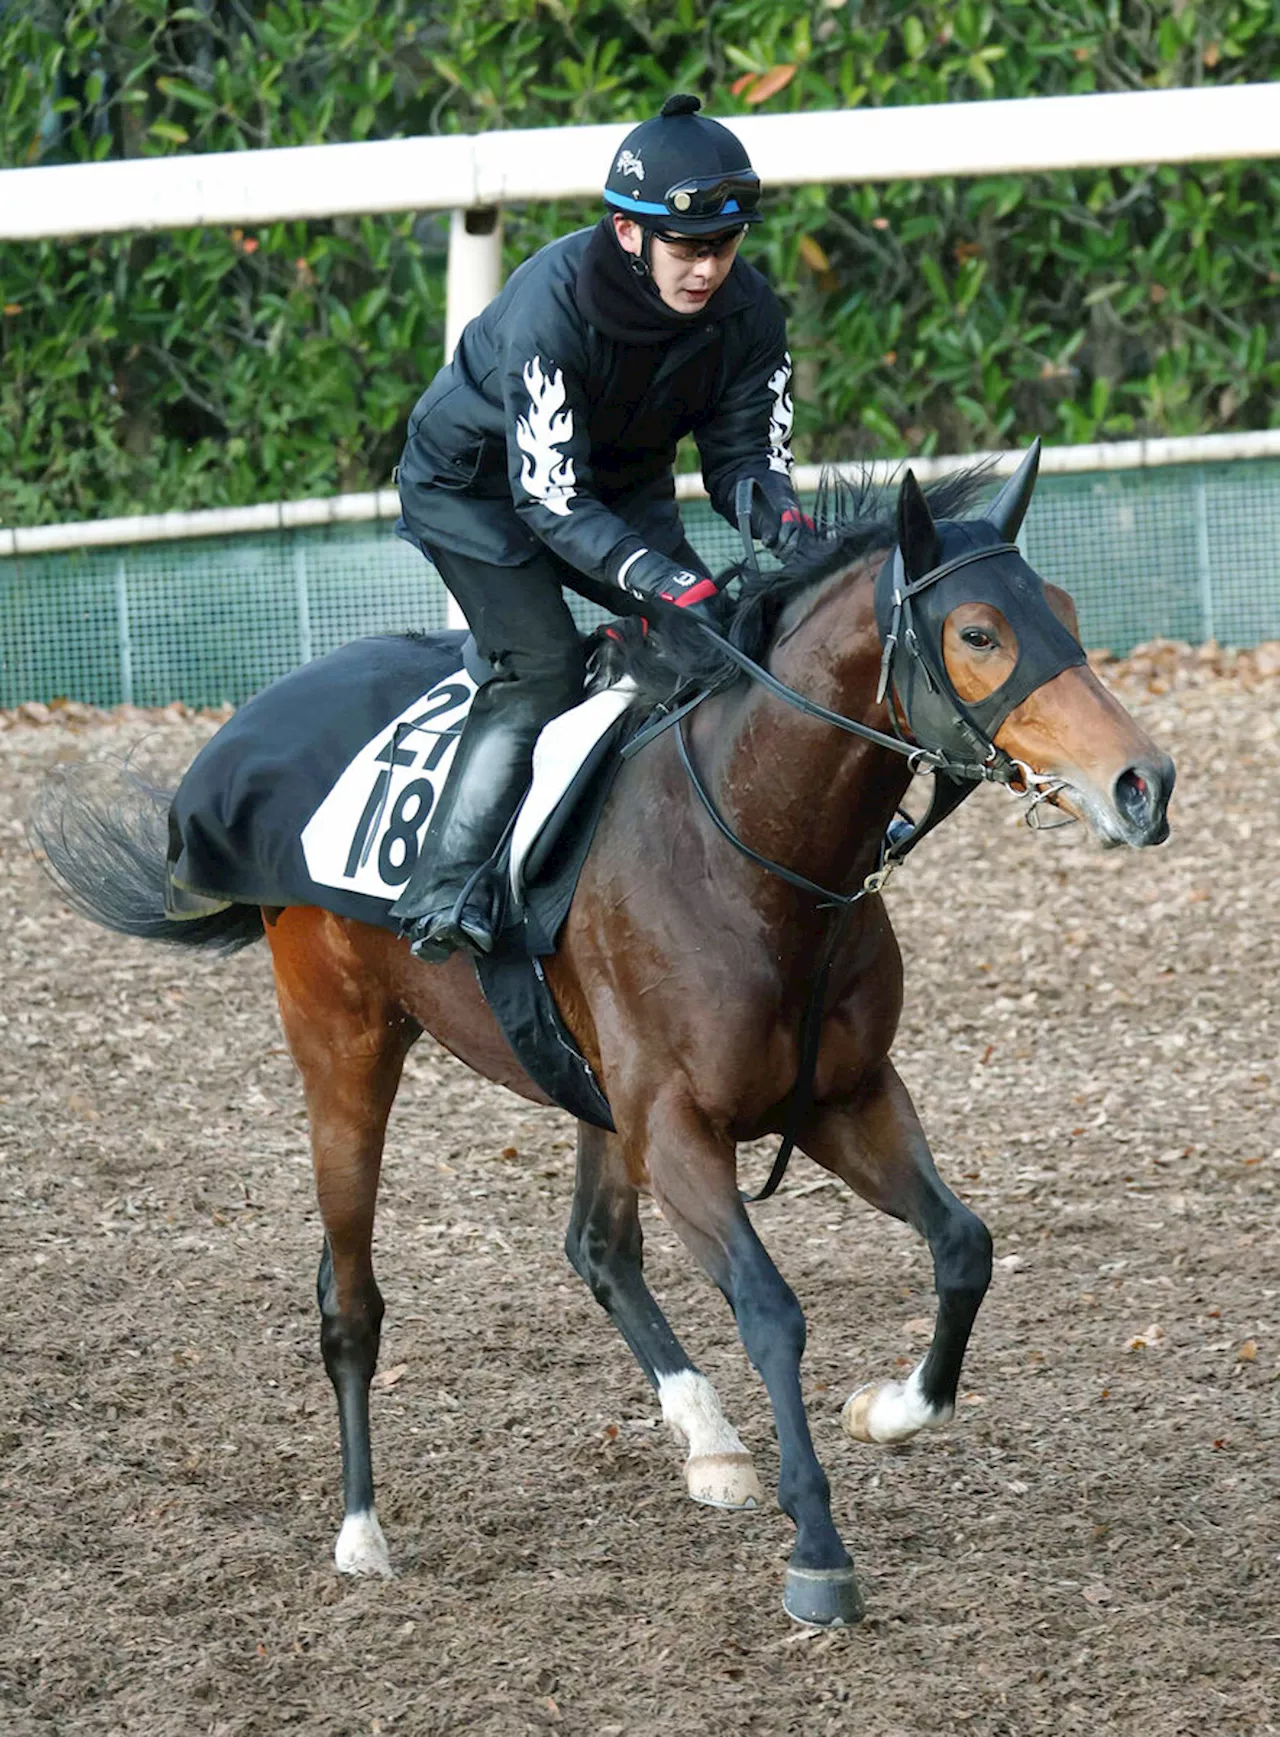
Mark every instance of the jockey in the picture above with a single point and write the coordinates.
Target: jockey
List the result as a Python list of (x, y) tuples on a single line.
[(546, 449)]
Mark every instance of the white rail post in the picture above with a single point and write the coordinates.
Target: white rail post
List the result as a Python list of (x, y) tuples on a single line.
[(475, 269), (124, 639), (473, 279)]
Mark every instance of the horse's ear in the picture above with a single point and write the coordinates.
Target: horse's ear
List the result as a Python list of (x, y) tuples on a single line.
[(1009, 508), (917, 537)]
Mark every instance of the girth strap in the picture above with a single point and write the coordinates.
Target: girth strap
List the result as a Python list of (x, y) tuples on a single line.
[(810, 1043)]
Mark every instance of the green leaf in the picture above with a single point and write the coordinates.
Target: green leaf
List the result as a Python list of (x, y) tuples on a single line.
[(188, 94)]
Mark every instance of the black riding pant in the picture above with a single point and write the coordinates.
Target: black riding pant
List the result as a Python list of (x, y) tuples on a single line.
[(518, 616), (523, 629), (521, 625)]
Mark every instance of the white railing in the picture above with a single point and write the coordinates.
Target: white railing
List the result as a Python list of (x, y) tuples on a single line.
[(474, 175), (383, 504), (469, 171)]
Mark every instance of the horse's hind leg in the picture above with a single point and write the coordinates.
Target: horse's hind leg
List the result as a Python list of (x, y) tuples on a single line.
[(604, 1244), (875, 1143), (349, 1039)]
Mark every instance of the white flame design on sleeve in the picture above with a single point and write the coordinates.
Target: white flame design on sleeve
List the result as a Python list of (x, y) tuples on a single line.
[(545, 473), (781, 418)]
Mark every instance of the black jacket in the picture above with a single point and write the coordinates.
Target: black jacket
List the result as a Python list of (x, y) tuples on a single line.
[(543, 429)]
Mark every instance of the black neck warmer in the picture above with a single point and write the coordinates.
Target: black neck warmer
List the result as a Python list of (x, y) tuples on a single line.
[(625, 306)]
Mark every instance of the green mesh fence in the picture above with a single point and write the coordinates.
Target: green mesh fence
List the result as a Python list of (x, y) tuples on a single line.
[(1187, 552)]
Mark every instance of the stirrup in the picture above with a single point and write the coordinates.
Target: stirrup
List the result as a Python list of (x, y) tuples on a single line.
[(470, 924), (446, 933)]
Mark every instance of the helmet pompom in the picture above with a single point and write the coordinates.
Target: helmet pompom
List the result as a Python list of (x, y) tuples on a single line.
[(681, 105)]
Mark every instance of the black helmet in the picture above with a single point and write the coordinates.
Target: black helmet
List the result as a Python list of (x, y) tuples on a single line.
[(684, 174)]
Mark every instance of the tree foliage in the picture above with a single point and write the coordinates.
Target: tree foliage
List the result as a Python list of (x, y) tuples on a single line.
[(206, 367)]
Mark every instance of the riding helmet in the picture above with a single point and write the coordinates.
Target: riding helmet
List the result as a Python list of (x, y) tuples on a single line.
[(684, 174)]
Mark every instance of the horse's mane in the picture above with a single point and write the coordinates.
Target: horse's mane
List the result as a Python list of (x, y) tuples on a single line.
[(853, 517)]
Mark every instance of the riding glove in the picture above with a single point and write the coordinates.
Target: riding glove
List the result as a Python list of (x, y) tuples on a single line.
[(779, 520), (649, 574), (794, 529)]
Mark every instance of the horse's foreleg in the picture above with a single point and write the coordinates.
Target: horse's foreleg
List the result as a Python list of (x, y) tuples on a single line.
[(875, 1143), (693, 1174), (349, 1040), (605, 1246)]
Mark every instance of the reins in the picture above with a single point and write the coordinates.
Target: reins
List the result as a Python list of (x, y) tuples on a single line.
[(921, 759), (954, 778), (826, 895)]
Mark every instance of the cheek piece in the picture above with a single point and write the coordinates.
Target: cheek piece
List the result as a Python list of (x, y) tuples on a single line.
[(911, 615)]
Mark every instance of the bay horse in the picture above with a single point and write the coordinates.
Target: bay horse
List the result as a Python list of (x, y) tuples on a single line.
[(685, 966)]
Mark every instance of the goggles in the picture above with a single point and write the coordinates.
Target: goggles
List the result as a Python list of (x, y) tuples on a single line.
[(692, 247), (714, 195)]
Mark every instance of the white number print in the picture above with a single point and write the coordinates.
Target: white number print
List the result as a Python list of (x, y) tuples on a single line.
[(365, 835)]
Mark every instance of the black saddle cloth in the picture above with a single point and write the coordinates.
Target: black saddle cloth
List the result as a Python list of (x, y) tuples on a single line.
[(237, 820), (315, 791)]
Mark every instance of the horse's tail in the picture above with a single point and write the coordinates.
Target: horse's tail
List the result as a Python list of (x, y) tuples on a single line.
[(101, 832)]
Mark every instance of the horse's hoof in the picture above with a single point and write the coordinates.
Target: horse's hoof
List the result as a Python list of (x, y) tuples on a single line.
[(361, 1547), (889, 1412), (724, 1481), (823, 1597), (856, 1413), (881, 1413)]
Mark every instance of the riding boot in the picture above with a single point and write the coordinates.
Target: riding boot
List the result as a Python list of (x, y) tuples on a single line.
[(450, 901)]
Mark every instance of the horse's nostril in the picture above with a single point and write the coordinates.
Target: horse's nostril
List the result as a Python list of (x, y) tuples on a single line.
[(1137, 798)]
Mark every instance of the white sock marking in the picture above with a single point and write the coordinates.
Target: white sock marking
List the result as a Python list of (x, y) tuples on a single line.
[(691, 1406), (361, 1547), (900, 1410), (718, 1470)]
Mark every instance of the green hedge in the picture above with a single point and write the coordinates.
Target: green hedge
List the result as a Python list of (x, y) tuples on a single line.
[(209, 367)]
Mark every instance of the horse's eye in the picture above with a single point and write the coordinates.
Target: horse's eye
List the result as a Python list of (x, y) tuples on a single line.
[(977, 636)]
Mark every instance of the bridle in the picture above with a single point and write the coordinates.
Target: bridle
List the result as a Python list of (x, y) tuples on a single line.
[(906, 653), (902, 641), (986, 764), (955, 778)]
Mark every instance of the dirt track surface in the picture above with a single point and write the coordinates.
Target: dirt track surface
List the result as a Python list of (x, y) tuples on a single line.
[(1093, 1547)]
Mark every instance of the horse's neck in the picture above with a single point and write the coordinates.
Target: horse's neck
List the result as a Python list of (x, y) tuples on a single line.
[(799, 790)]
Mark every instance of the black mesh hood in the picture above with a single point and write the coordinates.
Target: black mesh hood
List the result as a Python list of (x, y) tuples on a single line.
[(934, 711)]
